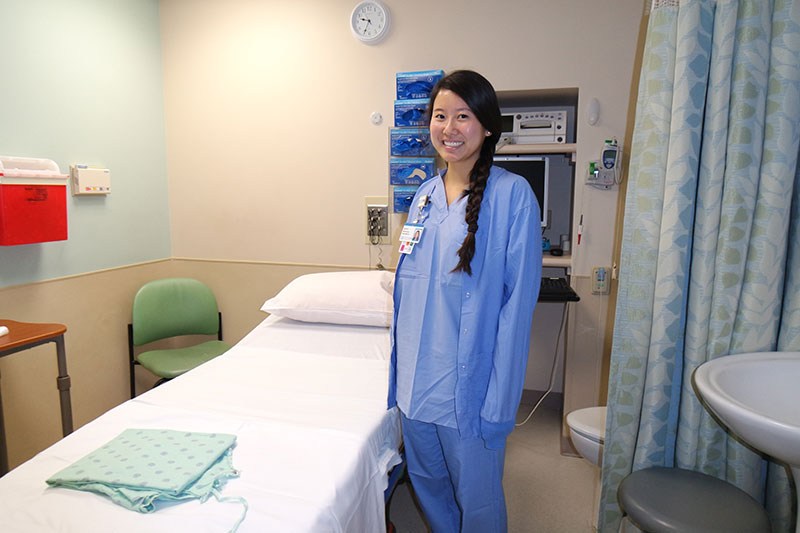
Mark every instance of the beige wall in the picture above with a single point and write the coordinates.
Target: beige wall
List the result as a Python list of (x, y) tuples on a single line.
[(269, 143), (271, 150), (96, 310), (95, 307), (270, 153)]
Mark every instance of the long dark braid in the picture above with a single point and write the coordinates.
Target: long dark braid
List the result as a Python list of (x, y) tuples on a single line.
[(477, 179), (479, 95)]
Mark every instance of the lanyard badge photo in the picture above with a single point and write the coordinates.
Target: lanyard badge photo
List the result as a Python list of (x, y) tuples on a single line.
[(412, 231)]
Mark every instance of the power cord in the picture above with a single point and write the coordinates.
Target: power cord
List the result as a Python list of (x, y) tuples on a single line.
[(379, 264), (553, 369)]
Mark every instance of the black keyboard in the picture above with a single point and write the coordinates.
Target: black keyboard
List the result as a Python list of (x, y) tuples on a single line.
[(556, 290)]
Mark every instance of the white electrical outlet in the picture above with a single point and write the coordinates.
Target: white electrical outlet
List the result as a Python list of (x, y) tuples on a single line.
[(601, 278), (376, 210)]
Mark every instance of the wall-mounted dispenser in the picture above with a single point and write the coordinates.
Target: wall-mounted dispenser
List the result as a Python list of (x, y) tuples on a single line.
[(89, 180), (33, 201)]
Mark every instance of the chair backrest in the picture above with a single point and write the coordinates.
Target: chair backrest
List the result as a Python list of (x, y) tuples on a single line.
[(171, 307)]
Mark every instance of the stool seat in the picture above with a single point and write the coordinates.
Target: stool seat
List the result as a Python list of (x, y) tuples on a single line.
[(667, 500)]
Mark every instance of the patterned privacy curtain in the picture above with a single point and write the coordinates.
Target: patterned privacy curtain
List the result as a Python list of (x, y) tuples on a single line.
[(710, 262)]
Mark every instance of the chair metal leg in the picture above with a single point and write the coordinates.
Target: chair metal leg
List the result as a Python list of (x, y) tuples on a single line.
[(131, 361)]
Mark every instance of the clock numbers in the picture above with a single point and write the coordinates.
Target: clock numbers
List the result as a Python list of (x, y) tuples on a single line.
[(370, 21)]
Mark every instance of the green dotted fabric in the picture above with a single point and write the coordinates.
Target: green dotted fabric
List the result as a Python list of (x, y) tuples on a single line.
[(142, 466)]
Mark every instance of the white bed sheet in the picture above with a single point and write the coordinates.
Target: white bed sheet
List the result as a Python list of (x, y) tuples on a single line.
[(307, 403)]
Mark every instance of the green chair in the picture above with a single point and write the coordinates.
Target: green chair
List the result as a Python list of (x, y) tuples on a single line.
[(173, 307)]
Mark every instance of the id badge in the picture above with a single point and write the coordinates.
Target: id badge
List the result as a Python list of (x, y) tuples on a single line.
[(410, 237)]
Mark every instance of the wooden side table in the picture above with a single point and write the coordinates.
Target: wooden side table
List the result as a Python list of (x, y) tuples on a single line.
[(25, 335)]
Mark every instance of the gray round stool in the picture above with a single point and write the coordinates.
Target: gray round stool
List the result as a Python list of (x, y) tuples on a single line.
[(672, 500)]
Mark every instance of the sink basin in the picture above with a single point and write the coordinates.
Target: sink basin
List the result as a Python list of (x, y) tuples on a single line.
[(756, 395)]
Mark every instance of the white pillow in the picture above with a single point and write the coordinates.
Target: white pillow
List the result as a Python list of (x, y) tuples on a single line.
[(359, 298)]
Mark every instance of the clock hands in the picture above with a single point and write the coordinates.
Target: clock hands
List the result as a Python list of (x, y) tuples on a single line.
[(368, 21)]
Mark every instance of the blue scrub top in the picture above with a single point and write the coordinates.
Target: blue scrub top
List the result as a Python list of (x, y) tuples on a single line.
[(426, 361), (460, 342)]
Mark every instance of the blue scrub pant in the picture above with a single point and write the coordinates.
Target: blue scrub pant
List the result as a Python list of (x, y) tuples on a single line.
[(458, 481)]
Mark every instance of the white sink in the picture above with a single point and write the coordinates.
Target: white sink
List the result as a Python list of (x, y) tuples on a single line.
[(757, 396)]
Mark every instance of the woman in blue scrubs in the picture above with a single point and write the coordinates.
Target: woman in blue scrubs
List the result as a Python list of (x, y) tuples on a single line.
[(464, 295)]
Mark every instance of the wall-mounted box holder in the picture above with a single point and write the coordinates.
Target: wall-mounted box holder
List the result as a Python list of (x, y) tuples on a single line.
[(33, 201), (418, 84), (410, 142), (401, 198), (410, 113), (410, 170), (90, 181)]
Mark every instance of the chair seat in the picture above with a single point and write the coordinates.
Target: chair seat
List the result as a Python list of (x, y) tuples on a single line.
[(174, 362), (666, 500)]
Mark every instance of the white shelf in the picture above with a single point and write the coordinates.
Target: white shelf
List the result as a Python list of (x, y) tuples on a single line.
[(554, 148)]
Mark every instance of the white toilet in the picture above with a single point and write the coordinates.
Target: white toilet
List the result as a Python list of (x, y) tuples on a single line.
[(587, 429)]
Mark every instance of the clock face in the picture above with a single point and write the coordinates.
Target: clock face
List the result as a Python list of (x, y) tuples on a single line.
[(370, 21)]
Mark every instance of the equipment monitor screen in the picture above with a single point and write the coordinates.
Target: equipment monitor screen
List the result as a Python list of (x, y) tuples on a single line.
[(536, 171)]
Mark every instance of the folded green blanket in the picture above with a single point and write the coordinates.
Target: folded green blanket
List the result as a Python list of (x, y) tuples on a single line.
[(141, 467)]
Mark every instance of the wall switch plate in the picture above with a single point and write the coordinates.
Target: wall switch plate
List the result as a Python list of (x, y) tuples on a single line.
[(601, 278), (377, 219)]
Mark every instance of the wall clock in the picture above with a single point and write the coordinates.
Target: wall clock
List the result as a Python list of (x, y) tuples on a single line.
[(370, 21)]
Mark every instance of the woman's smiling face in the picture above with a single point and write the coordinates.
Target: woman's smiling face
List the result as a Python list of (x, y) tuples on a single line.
[(456, 132)]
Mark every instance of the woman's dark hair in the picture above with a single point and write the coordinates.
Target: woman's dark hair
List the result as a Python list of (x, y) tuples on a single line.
[(479, 95)]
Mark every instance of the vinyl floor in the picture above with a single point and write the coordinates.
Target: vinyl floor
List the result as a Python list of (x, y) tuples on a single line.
[(546, 492)]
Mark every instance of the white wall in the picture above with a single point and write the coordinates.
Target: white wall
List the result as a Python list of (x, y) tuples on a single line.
[(270, 148)]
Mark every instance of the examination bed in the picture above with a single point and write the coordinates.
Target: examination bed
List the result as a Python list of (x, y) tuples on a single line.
[(305, 395)]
